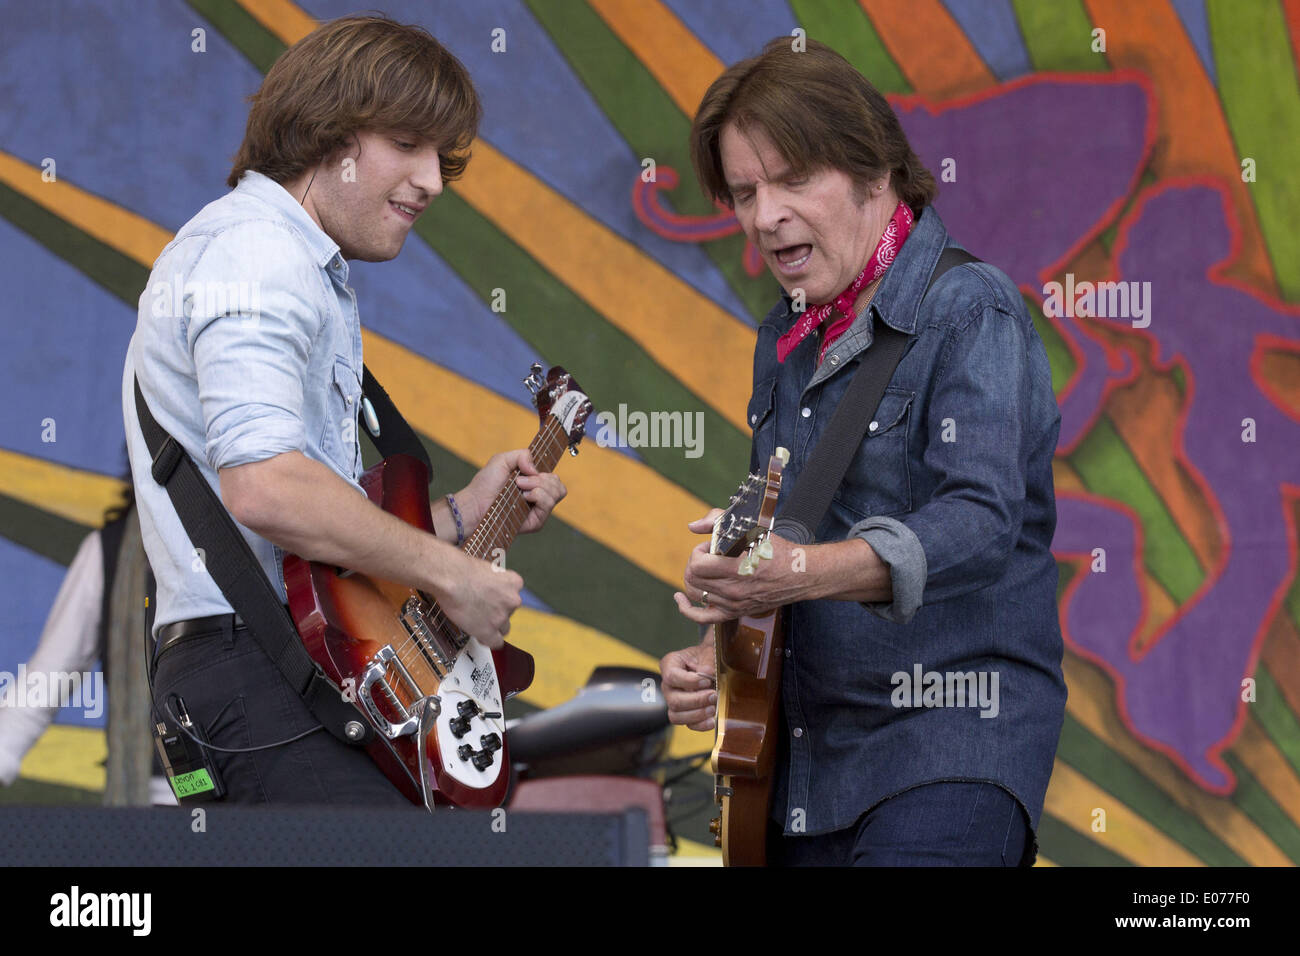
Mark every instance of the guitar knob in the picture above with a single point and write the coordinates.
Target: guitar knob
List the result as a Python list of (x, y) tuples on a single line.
[(467, 708), (482, 760), (490, 742), (715, 826), (459, 726), (464, 751)]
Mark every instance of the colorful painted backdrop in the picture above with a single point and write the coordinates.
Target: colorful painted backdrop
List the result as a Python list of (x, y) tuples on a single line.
[(1150, 142)]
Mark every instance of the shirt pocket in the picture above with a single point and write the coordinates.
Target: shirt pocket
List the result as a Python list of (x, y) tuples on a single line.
[(878, 481), (339, 436)]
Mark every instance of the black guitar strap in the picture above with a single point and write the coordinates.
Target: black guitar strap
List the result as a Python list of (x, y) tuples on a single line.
[(231, 564), (829, 461)]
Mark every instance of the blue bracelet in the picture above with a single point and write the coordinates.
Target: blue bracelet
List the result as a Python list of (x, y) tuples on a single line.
[(460, 525)]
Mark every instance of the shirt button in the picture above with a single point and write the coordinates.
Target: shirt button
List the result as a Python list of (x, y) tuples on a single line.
[(347, 400), (798, 731), (835, 360), (788, 652), (806, 412), (873, 426), (753, 419)]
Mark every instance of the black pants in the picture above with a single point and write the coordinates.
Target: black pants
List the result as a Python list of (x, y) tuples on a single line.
[(239, 699)]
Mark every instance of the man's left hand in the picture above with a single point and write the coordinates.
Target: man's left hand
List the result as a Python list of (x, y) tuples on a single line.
[(776, 581), (542, 491)]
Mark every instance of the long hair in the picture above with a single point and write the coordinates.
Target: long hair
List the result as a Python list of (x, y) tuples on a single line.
[(818, 111), (351, 74)]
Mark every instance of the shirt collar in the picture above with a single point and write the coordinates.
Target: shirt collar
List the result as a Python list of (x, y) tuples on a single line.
[(898, 300), (262, 187)]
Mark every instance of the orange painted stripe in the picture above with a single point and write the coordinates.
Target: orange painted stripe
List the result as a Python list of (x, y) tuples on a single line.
[(1092, 704), (1281, 655), (678, 61), (929, 47), (1291, 10), (286, 20), (80, 496), (139, 239), (1281, 369), (1194, 135)]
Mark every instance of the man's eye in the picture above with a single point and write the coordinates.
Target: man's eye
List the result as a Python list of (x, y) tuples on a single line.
[(797, 182), (741, 198), (402, 145)]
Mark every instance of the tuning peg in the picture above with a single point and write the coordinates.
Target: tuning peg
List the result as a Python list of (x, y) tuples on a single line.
[(535, 382), (765, 549), (746, 565)]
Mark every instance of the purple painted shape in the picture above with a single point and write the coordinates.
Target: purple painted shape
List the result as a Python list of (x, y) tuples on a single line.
[(1184, 691), (1038, 165), (1063, 156)]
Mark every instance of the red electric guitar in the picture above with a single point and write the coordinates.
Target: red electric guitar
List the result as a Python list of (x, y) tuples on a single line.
[(432, 693)]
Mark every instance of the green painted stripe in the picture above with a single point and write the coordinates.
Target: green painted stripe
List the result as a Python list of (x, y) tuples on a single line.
[(1066, 846), (37, 793), (49, 535), (1277, 719), (1108, 468), (648, 119), (115, 272), (1261, 99), (254, 41), (1091, 756), (1058, 35), (1258, 804), (846, 28), (550, 317), (1058, 352)]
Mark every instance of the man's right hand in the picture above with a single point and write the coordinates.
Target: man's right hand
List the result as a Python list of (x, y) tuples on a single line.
[(481, 599), (688, 685)]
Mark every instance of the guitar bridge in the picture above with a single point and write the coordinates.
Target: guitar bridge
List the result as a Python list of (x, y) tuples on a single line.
[(375, 679)]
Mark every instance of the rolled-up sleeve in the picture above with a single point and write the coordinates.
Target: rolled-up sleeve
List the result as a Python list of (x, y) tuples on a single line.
[(897, 546), (252, 320)]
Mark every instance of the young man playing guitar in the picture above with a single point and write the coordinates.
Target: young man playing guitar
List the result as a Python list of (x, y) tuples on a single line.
[(355, 130), (933, 558)]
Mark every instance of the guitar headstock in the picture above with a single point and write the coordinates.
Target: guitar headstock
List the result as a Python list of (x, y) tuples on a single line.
[(559, 394), (748, 518)]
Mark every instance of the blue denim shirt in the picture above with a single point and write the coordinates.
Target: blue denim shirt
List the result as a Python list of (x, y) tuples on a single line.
[(247, 345), (952, 487)]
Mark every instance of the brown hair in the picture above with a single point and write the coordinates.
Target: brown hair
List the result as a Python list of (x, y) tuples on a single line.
[(358, 73), (818, 112)]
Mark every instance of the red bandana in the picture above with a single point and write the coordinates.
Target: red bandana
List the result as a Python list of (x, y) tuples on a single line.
[(896, 233)]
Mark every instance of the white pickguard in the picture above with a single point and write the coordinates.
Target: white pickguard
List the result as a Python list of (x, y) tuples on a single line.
[(474, 677)]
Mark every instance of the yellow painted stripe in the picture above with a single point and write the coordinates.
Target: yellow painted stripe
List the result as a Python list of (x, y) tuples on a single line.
[(1266, 763), (567, 652), (1043, 861), (282, 18), (1092, 703), (706, 348), (626, 506), (68, 756), (702, 345), (690, 853), (623, 504), (92, 215), (1072, 798), (682, 65), (80, 496)]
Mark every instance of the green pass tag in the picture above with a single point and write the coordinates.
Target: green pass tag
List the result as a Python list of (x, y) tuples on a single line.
[(188, 784)]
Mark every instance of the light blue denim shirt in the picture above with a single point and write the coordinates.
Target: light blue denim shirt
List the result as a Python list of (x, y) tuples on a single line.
[(247, 345)]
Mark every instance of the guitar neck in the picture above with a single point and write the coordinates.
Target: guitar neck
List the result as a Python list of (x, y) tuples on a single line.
[(505, 516)]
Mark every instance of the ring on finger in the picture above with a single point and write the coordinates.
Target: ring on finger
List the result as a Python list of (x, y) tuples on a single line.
[(704, 599)]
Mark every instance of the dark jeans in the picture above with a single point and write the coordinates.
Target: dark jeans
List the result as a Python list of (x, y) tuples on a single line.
[(238, 697), (935, 824)]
